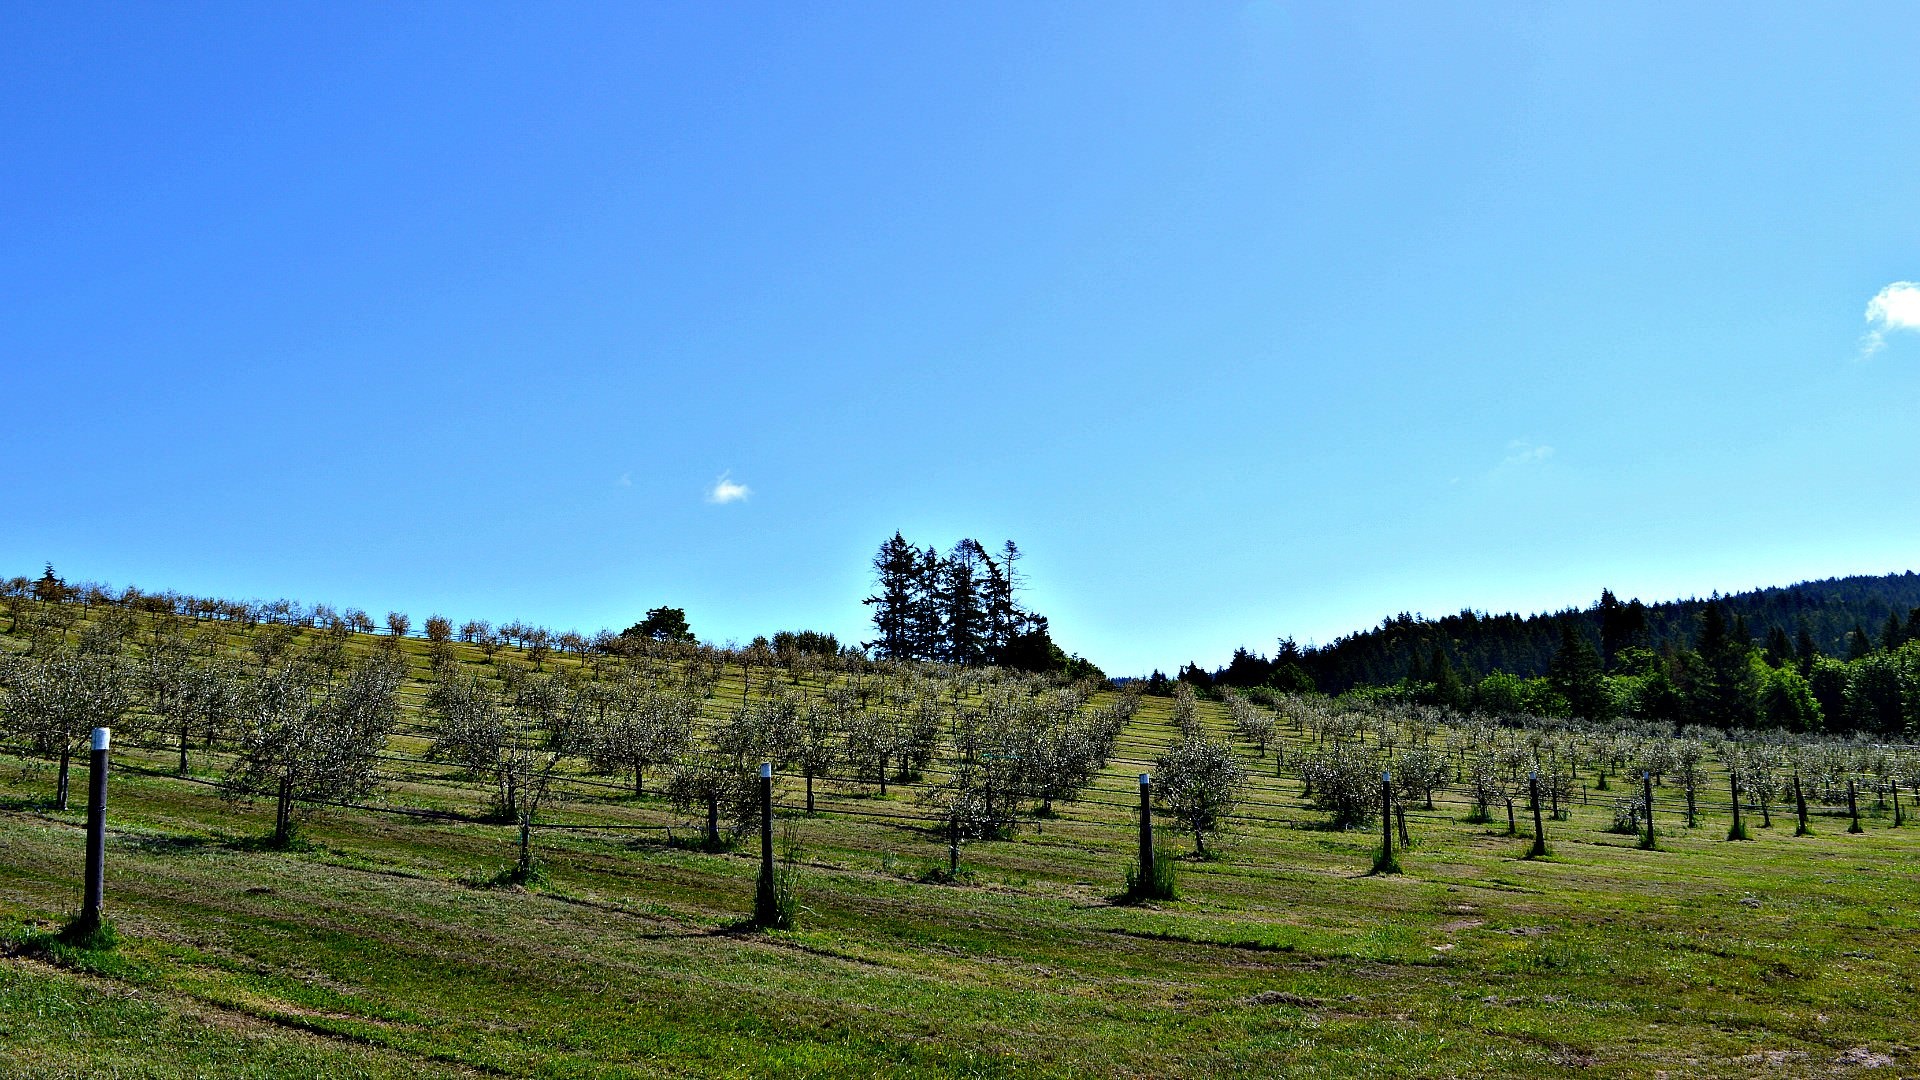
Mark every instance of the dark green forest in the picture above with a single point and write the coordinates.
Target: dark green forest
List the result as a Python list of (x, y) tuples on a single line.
[(1842, 654)]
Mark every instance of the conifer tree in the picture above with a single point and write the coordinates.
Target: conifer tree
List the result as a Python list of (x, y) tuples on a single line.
[(896, 567), (1575, 674)]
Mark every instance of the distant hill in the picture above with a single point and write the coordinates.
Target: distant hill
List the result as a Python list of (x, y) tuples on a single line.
[(1476, 643)]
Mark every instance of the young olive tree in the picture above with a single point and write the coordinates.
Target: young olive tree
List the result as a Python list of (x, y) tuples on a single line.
[(546, 722), (1689, 757), (306, 741), (726, 787), (189, 696), (643, 727), (471, 731), (817, 741), (1419, 773), (1186, 710), (1199, 781), (873, 741), (1345, 780), (54, 701), (1252, 723)]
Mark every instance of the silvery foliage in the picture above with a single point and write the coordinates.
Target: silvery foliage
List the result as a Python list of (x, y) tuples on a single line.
[(1199, 781), (308, 740), (1345, 777), (52, 702), (1252, 723), (638, 725)]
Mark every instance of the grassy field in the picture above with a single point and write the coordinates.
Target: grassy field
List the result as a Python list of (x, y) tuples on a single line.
[(379, 949)]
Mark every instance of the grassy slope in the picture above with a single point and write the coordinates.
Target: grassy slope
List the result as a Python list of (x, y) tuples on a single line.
[(373, 953)]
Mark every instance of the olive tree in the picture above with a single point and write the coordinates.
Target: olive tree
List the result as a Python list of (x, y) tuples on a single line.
[(726, 787), (1345, 779), (471, 731), (817, 741), (1199, 781), (307, 741), (1420, 772), (189, 695), (54, 701), (641, 727), (1252, 723)]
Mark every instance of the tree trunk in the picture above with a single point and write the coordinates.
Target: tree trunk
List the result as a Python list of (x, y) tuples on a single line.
[(639, 780), (1689, 806), (183, 749), (809, 792), (1512, 828), (713, 819)]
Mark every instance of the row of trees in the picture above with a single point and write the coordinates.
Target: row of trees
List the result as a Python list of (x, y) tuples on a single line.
[(1425, 749), (297, 733)]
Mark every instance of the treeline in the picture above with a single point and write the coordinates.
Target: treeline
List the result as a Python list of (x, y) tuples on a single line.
[(1840, 655), (1727, 681), (959, 608), (1825, 612)]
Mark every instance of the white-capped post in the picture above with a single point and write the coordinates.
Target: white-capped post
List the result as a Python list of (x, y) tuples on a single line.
[(96, 884), (765, 907)]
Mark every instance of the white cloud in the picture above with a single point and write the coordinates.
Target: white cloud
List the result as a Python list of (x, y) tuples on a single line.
[(626, 480), (726, 491), (1896, 307), (1521, 452)]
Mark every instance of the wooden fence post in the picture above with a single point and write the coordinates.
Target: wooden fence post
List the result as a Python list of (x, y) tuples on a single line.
[(1539, 849), (1800, 805), (1146, 833), (96, 882), (765, 906), (1646, 781)]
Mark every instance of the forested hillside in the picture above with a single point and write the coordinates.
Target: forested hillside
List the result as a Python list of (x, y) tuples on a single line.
[(1476, 644)]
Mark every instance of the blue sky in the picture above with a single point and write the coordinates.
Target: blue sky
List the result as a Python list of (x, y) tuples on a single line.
[(1243, 320)]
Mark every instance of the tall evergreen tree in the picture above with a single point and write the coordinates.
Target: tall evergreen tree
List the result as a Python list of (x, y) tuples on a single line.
[(1722, 694), (896, 567), (1859, 645), (963, 613), (926, 632), (1622, 626), (1575, 673), (1448, 690), (1779, 646), (1805, 652)]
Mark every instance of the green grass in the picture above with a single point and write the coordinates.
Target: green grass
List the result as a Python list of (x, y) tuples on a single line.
[(381, 948)]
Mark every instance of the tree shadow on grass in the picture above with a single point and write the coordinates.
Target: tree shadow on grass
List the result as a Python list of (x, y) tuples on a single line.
[(172, 844)]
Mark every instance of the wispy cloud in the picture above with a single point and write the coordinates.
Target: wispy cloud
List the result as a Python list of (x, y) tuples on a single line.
[(1520, 452), (725, 491), (1896, 307), (626, 480)]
